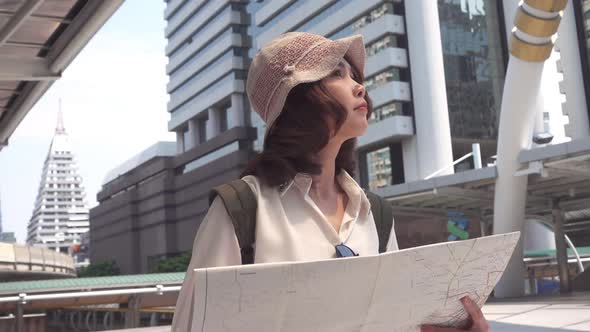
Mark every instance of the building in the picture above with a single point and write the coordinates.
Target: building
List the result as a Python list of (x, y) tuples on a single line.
[(151, 205), (80, 252), (60, 214), (8, 237), (435, 74)]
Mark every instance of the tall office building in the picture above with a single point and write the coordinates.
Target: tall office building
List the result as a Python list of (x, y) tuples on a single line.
[(208, 61), (60, 214)]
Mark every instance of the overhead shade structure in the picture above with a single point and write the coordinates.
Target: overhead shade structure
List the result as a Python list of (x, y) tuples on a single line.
[(38, 40)]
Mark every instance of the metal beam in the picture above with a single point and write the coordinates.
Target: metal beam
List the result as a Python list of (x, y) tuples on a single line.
[(132, 314), (25, 44), (25, 69), (18, 19), (20, 322), (568, 172), (561, 248), (48, 18), (66, 47)]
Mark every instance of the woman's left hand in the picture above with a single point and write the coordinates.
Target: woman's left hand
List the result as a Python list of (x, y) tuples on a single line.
[(477, 322)]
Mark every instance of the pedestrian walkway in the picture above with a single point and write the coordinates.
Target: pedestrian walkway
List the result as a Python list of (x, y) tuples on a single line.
[(557, 313), (540, 314)]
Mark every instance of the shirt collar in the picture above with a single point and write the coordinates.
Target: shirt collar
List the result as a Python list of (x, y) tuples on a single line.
[(303, 182)]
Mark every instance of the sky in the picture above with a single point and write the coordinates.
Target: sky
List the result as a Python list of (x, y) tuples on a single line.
[(113, 98)]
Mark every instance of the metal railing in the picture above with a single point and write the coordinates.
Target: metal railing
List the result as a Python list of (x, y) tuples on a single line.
[(475, 153)]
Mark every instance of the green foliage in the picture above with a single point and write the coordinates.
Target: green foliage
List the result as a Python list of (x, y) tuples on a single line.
[(100, 269), (173, 264)]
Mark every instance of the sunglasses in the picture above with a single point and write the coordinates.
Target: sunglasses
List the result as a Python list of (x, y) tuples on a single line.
[(343, 250)]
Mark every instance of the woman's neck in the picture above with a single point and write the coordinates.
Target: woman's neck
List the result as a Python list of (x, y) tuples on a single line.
[(324, 185)]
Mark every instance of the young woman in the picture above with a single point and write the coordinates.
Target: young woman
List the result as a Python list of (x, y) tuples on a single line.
[(309, 91)]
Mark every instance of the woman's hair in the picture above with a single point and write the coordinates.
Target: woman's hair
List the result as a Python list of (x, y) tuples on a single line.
[(300, 132)]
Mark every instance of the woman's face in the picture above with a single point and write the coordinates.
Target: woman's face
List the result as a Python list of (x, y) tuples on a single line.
[(343, 87)]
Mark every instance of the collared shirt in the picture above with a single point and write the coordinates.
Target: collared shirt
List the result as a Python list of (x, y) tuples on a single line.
[(289, 227)]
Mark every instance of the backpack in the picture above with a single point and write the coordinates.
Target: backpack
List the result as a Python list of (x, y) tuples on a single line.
[(241, 205)]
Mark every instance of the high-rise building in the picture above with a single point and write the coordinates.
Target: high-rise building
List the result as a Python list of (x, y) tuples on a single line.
[(60, 214), (208, 61)]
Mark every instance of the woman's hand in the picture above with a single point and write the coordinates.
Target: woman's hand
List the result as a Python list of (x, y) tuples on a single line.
[(477, 322)]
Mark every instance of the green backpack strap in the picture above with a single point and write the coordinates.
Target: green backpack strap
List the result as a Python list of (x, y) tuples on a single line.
[(241, 205), (383, 215)]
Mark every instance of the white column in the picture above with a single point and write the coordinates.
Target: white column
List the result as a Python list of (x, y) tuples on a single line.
[(235, 113), (433, 147), (179, 141), (212, 123), (517, 120), (514, 134), (573, 85), (193, 134), (410, 158), (549, 99)]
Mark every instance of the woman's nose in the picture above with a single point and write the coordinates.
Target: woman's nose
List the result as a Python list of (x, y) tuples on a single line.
[(359, 90)]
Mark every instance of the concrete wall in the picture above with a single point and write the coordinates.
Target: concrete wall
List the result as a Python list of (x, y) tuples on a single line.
[(154, 210)]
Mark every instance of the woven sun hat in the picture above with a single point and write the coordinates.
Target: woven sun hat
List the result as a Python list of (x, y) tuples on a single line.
[(294, 58)]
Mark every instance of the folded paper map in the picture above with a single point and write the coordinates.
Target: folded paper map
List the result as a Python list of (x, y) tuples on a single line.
[(393, 291)]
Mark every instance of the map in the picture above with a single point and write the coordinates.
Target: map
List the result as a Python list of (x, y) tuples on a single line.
[(393, 291)]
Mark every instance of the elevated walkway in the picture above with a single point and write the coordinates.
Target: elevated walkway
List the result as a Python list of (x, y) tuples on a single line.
[(21, 262)]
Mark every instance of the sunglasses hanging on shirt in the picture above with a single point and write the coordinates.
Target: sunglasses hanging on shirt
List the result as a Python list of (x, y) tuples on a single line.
[(343, 250)]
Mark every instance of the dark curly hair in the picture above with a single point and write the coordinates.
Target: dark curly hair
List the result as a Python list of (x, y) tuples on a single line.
[(300, 132)]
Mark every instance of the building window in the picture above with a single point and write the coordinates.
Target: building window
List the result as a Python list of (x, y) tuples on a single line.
[(474, 66), (202, 124), (386, 111), (375, 81), (222, 119), (373, 15), (381, 44), (382, 166)]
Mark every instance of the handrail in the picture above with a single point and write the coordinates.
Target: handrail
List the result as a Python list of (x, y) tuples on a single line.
[(23, 297), (476, 160)]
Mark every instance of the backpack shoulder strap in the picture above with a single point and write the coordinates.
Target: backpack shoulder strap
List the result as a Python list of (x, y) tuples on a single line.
[(383, 215), (241, 205)]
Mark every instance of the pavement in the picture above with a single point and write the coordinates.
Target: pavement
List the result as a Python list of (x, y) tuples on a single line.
[(540, 313), (555, 313)]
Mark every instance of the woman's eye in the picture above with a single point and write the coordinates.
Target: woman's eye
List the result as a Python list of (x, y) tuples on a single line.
[(337, 73)]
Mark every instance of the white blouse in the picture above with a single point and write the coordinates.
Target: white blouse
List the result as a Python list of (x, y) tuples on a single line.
[(289, 227)]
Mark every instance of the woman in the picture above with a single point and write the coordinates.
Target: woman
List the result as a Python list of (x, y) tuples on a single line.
[(309, 92)]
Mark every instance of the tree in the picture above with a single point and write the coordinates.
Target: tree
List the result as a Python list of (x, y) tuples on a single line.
[(173, 264), (100, 269)]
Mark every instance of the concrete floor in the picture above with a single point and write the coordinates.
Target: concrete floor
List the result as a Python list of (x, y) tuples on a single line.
[(543, 314), (559, 313)]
